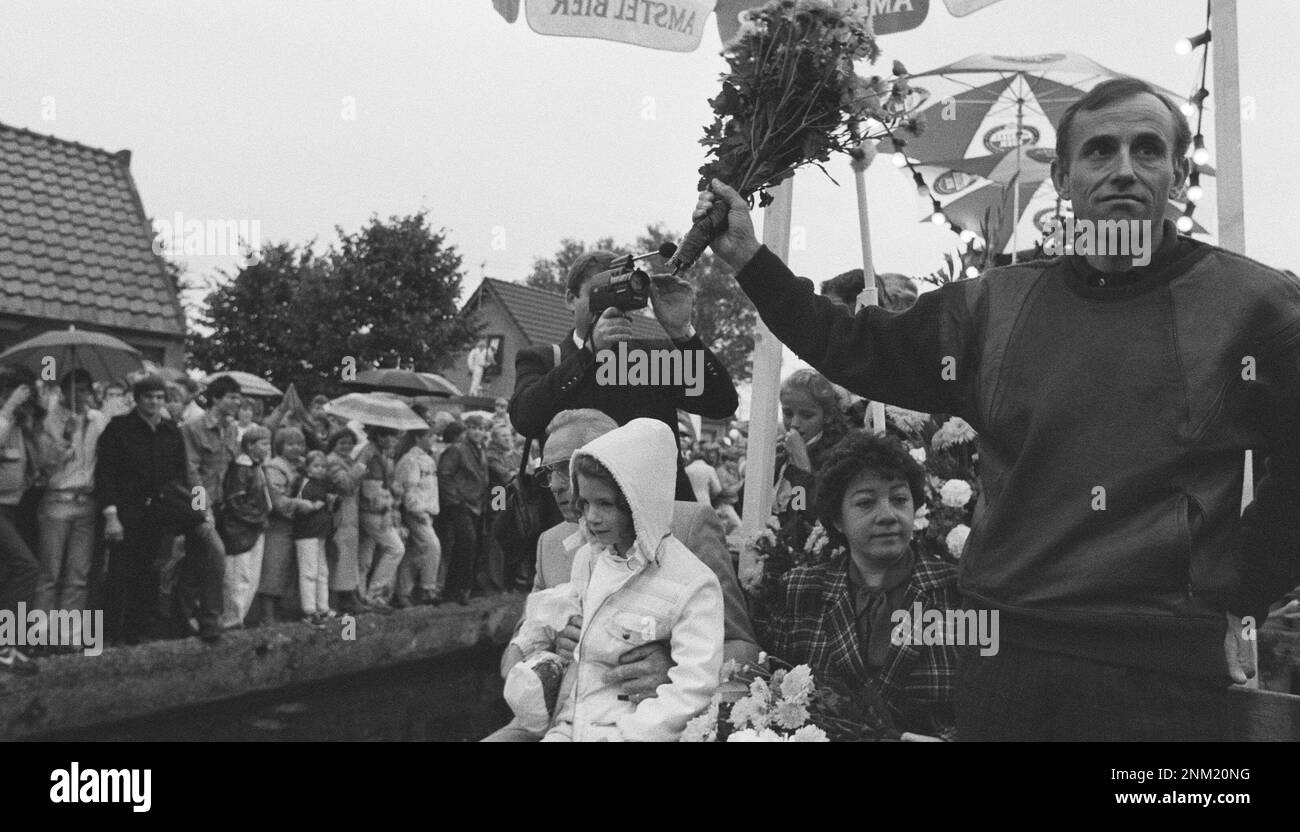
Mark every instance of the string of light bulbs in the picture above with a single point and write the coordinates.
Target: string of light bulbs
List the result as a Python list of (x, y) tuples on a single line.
[(1195, 106)]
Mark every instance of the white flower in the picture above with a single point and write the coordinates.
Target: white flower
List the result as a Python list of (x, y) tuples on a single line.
[(910, 421), (809, 733), (797, 685), (918, 454), (702, 728), (816, 540), (743, 735), (791, 714), (956, 539), (750, 712), (921, 521), (955, 431), (956, 493)]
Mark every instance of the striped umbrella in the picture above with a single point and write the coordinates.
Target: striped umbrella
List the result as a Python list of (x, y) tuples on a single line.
[(376, 410), (405, 383)]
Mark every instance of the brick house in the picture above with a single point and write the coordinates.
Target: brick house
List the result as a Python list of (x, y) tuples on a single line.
[(77, 248)]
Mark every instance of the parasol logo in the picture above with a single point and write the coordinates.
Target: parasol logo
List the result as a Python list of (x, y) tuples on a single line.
[(953, 181), (1046, 155), (1003, 137), (1047, 58)]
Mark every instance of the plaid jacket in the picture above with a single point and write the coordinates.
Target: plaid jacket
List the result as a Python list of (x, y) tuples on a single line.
[(809, 620)]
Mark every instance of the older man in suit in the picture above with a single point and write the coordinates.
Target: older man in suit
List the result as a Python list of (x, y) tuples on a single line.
[(642, 669)]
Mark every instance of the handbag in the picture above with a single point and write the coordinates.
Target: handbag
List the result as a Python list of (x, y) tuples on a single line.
[(530, 510)]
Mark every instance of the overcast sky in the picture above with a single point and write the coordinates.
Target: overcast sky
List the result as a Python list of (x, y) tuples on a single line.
[(513, 140)]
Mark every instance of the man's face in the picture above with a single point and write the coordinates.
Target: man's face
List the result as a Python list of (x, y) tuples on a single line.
[(151, 403), (579, 305), (1121, 163), (81, 392), (477, 434), (562, 489), (228, 405)]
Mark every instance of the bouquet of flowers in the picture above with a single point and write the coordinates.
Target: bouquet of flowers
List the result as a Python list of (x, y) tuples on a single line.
[(791, 98), (782, 548), (755, 704)]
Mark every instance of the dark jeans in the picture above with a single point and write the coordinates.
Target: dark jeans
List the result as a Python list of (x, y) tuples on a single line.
[(131, 587), (18, 569), (202, 578), (1024, 695), (462, 530)]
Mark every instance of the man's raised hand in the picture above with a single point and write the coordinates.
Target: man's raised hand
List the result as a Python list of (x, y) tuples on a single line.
[(738, 244)]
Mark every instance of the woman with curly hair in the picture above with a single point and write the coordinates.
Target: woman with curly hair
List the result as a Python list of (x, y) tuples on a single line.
[(837, 614)]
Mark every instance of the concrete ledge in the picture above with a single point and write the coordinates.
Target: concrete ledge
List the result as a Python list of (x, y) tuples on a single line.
[(125, 682)]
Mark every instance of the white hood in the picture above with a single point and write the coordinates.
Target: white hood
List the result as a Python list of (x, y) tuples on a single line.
[(642, 456)]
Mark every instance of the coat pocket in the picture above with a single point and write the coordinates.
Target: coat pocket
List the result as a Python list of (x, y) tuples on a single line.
[(637, 628)]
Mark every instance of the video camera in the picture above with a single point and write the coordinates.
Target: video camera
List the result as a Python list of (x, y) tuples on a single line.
[(624, 286)]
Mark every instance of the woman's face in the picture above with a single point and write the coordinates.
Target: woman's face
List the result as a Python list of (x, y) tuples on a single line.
[(245, 415), (598, 505), (801, 413), (876, 515), (345, 446), (316, 470)]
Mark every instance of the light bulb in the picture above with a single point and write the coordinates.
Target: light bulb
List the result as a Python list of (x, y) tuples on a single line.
[(967, 235), (1184, 223), (938, 218), (923, 190), (971, 271), (1183, 47), (977, 243), (900, 160), (1188, 108), (1200, 156), (1195, 193)]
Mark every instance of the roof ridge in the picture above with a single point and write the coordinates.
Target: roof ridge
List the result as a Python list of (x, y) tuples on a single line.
[(112, 154)]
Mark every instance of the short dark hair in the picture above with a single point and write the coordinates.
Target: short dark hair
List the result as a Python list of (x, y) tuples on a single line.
[(861, 451), (220, 387), (149, 384), (74, 377), (452, 432), (588, 266), (1111, 92), (282, 437), (338, 436)]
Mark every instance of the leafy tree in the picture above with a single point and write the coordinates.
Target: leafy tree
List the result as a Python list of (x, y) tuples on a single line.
[(724, 317), (550, 273), (383, 296)]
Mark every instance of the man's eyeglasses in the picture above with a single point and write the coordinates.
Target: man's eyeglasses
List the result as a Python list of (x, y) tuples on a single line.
[(546, 473)]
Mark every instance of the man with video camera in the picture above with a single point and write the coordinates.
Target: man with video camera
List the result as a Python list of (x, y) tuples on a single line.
[(601, 293)]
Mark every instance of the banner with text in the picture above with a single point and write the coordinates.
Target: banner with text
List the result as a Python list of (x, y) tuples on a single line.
[(673, 25)]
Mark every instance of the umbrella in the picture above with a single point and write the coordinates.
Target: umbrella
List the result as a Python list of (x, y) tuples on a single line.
[(405, 382), (249, 384), (106, 358), (376, 410), (994, 118)]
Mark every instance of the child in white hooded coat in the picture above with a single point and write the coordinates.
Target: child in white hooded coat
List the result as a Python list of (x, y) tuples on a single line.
[(634, 583)]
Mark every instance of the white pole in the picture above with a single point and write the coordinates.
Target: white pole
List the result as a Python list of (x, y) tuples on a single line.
[(1227, 162), (760, 458), (869, 295)]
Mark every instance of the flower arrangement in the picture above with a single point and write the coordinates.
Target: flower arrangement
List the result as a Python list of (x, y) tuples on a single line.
[(756, 704), (782, 548), (791, 98)]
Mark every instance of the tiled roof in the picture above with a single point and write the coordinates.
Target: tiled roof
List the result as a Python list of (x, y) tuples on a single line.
[(543, 317), (75, 245)]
